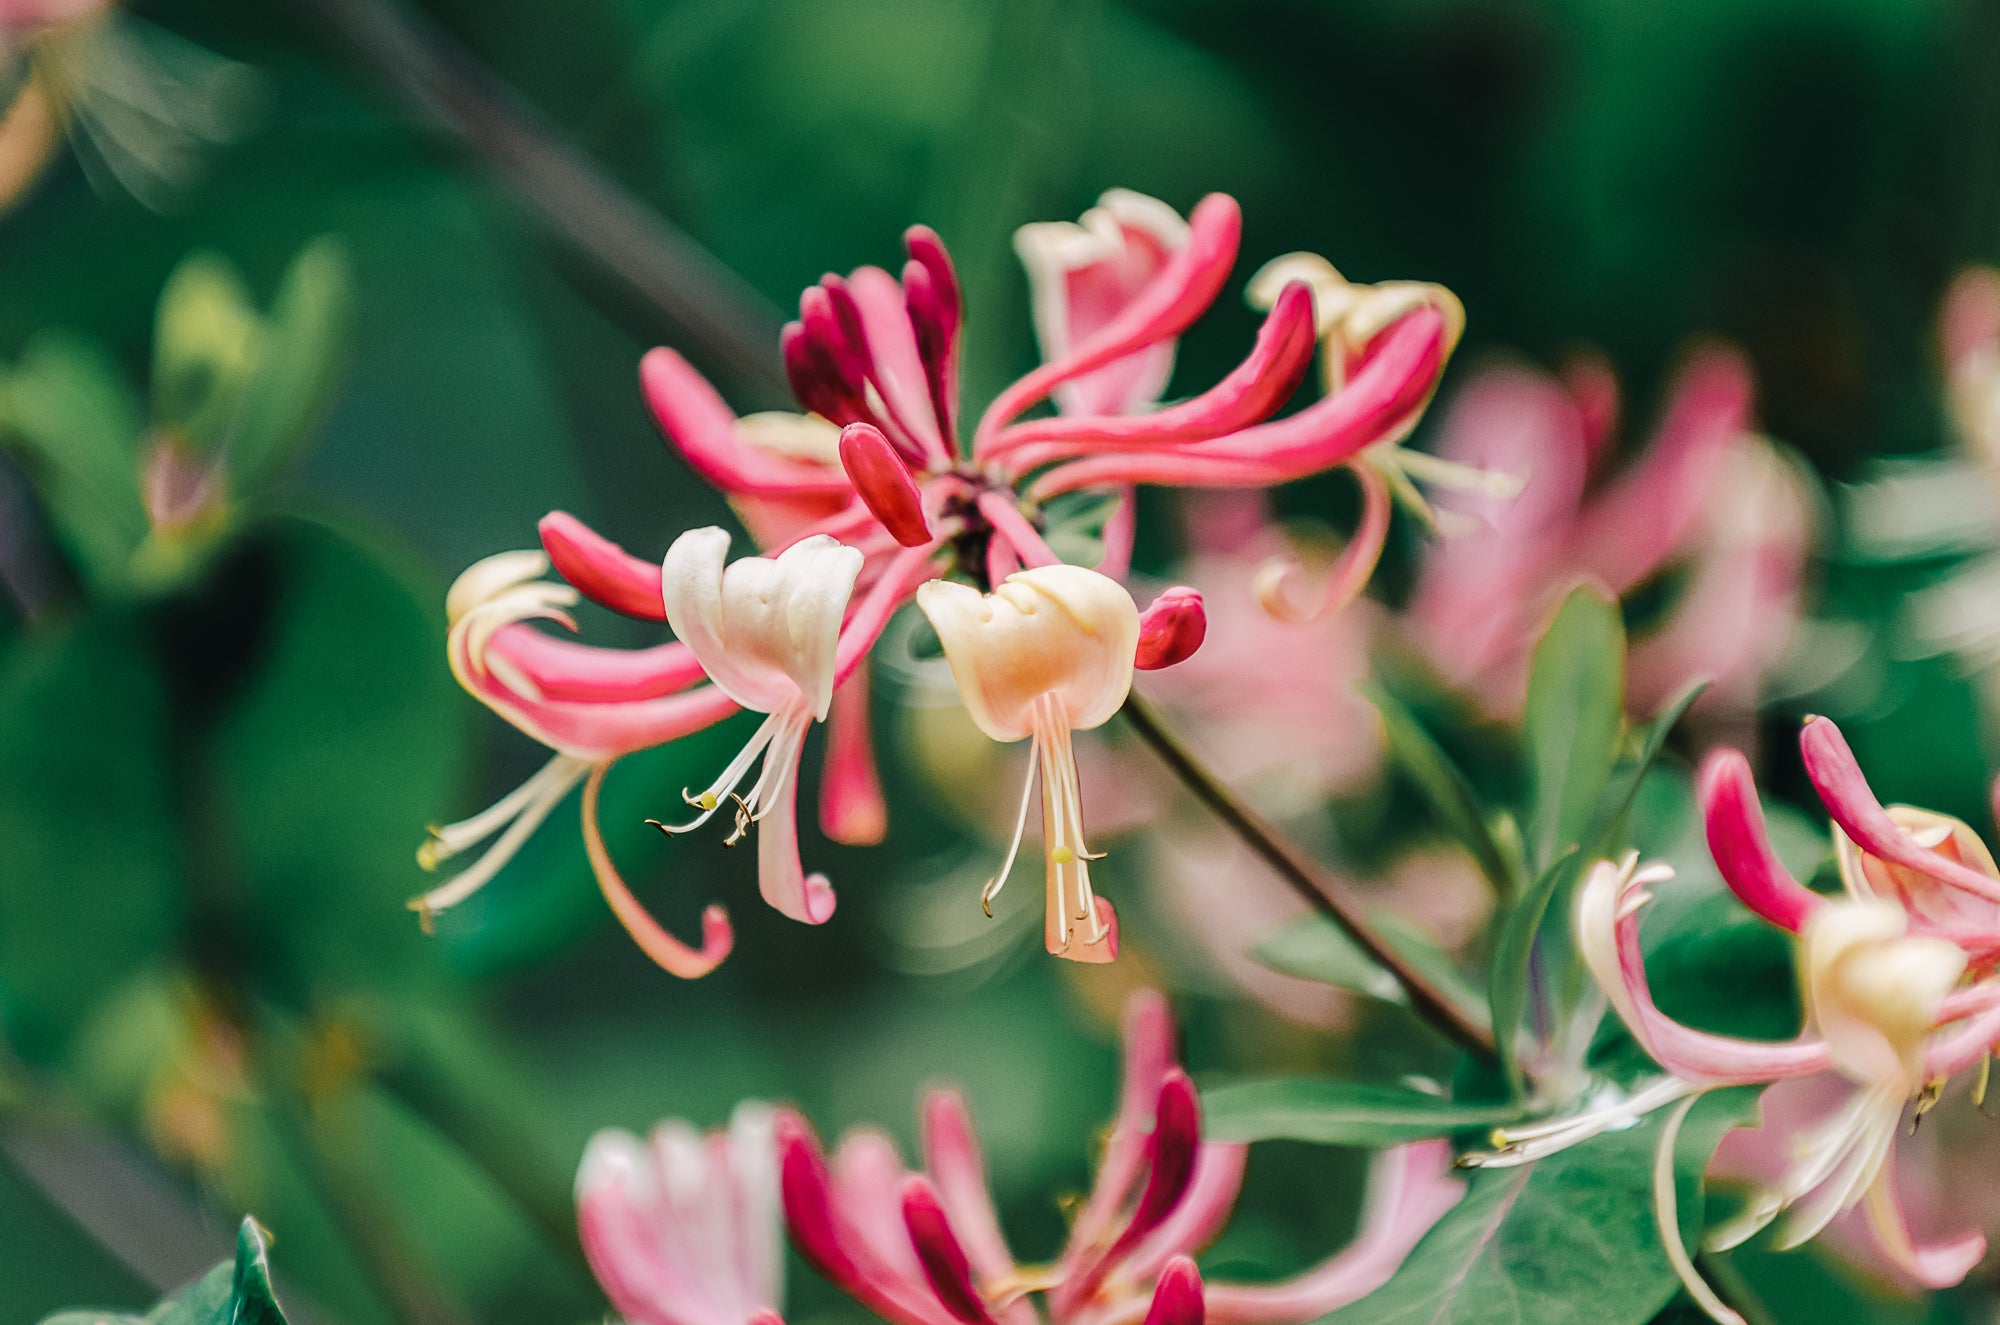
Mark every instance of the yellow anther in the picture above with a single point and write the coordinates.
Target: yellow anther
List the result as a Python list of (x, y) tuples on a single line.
[(706, 800), (1062, 855)]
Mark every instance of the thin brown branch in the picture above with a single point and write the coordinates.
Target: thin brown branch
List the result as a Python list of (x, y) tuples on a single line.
[(1306, 878), (649, 258)]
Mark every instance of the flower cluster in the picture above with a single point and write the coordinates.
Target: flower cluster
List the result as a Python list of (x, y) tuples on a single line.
[(682, 1232), (873, 492), (1898, 978)]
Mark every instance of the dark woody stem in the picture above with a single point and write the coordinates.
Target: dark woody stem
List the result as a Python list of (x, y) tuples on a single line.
[(1307, 879), (635, 251)]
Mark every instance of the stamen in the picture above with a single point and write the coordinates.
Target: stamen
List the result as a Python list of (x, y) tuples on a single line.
[(709, 801), (526, 813), (999, 881)]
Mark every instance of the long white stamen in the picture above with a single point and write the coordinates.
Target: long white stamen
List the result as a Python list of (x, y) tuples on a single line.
[(780, 761), (449, 840), (999, 881), (556, 779), (1820, 1153), (710, 800)]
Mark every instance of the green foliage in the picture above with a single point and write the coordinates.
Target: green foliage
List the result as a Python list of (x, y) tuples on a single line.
[(1314, 948), (89, 822), (234, 1293), (1576, 711), (1568, 1240), (1339, 1113), (1446, 790)]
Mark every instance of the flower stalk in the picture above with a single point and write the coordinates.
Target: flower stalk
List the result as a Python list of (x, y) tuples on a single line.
[(1305, 876)]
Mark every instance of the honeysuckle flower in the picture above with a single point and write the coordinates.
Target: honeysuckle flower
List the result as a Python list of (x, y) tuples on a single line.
[(926, 1248), (1348, 320), (1047, 653), (1707, 499), (877, 459), (767, 632), (686, 1229), (774, 635), (140, 104), (1897, 978)]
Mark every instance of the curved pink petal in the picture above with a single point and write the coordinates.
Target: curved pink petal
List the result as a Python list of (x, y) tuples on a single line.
[(1177, 1297), (1607, 922), (1742, 849), (897, 369), (1202, 1213), (1835, 774), (668, 953), (1278, 580), (1411, 1190), (781, 878), (1940, 1263), (1378, 402), (600, 570), (852, 809), (1626, 532), (953, 1160), (823, 1230), (1149, 1056), (698, 424), (590, 729), (1257, 388), (561, 669), (1183, 289), (939, 1252)]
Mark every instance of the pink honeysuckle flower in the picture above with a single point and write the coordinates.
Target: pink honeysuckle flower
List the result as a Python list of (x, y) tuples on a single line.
[(1049, 652), (1706, 496), (682, 1229), (779, 636), (1900, 990), (878, 461), (1885, 1011), (926, 1248), (1348, 319)]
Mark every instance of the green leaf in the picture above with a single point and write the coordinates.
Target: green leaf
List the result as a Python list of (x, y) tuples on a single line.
[(1575, 713), (300, 359), (91, 889), (1338, 1113), (66, 409), (233, 1293), (1631, 771), (347, 734), (1569, 1240), (1508, 984), (1314, 948), (1444, 787), (206, 336)]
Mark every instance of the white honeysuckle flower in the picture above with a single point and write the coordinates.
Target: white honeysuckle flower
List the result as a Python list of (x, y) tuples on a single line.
[(1047, 653), (766, 630)]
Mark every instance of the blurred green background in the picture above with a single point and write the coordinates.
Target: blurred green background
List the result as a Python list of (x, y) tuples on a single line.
[(210, 794)]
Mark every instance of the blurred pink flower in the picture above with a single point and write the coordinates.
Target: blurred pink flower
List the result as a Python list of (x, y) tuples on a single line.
[(926, 1248), (1707, 500), (877, 464), (683, 1229)]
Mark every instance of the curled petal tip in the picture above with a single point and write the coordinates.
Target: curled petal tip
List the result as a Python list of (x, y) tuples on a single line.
[(1178, 1296), (1741, 847), (883, 481), (1171, 629), (938, 1250)]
